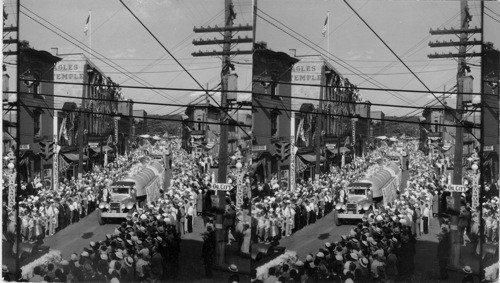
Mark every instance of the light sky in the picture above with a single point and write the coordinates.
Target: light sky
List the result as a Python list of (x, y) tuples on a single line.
[(404, 26), (118, 36)]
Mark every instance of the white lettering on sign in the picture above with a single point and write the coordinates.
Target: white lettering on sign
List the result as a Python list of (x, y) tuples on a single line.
[(456, 188), (488, 148), (259, 147), (222, 187), (24, 147), (306, 72)]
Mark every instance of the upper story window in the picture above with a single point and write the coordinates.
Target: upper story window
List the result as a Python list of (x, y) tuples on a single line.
[(275, 113), (37, 122)]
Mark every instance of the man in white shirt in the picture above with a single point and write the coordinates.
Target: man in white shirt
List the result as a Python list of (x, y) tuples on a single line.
[(425, 218), (190, 215)]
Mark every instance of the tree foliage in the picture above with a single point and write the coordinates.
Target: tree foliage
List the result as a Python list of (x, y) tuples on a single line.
[(397, 129)]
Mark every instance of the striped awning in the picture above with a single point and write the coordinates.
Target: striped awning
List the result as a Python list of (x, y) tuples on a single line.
[(74, 157)]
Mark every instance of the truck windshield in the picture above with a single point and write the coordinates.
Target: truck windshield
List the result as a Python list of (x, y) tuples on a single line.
[(357, 191), (120, 190)]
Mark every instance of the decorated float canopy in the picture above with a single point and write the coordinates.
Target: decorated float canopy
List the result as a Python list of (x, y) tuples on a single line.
[(150, 175)]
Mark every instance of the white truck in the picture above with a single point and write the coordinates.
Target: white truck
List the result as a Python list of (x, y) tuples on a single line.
[(368, 193), (132, 192)]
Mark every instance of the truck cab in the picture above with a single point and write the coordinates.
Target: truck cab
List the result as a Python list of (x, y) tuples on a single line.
[(357, 202), (121, 200), (132, 192)]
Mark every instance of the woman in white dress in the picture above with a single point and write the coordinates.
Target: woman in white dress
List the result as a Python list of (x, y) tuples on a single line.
[(245, 246)]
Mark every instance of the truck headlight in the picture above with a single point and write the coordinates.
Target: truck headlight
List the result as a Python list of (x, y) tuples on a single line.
[(366, 206), (102, 204), (107, 206), (338, 206), (130, 205), (344, 207)]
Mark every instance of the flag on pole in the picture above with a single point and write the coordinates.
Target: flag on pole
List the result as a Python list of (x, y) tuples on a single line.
[(86, 28), (325, 26), (63, 132)]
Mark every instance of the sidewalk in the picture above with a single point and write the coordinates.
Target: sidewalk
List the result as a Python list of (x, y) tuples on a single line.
[(426, 262)]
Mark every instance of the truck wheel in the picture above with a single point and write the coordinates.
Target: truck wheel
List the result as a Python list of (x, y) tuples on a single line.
[(101, 220), (336, 218)]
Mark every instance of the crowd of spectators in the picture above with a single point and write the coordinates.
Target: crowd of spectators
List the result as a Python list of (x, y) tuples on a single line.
[(44, 210), (382, 247), (277, 213), (146, 246)]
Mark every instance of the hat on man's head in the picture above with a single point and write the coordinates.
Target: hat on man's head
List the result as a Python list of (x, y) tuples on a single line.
[(467, 269), (363, 262), (129, 261), (233, 268)]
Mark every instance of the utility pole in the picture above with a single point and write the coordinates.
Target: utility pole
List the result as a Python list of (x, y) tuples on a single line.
[(462, 55), (17, 106), (81, 130), (291, 180), (319, 125), (227, 66)]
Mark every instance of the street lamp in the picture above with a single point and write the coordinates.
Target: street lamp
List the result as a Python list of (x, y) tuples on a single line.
[(239, 185), (475, 186), (474, 166), (12, 185)]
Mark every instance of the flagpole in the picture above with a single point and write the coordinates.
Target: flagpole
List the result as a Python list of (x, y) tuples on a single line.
[(90, 33), (328, 34)]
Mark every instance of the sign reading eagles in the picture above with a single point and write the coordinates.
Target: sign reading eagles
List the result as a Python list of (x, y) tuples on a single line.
[(306, 71)]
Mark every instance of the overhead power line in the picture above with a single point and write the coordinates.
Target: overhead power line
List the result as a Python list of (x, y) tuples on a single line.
[(326, 53), (402, 62), (249, 91), (172, 55), (133, 116), (80, 45), (112, 100)]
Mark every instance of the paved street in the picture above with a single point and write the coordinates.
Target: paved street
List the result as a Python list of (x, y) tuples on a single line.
[(77, 236), (310, 238), (314, 236)]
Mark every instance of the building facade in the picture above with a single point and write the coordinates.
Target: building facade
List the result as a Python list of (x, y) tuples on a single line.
[(203, 130), (88, 120), (37, 106), (491, 88), (271, 103), (362, 135), (378, 123), (125, 126), (326, 103), (140, 122)]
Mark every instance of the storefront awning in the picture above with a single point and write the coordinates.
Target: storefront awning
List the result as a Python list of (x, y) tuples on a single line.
[(342, 150), (104, 148), (312, 158), (446, 147), (74, 157), (256, 165), (210, 145)]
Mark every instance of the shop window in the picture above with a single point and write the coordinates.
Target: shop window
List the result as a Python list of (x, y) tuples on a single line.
[(274, 123), (37, 122)]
